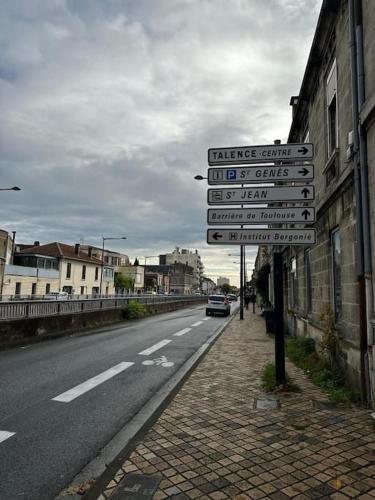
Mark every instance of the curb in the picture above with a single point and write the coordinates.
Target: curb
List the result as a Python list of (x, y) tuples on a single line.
[(110, 459)]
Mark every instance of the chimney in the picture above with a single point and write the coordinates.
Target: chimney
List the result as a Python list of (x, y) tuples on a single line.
[(36, 243), (90, 251), (76, 248), (294, 102)]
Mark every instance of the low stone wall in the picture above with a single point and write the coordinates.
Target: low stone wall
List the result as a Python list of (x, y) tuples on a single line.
[(21, 331)]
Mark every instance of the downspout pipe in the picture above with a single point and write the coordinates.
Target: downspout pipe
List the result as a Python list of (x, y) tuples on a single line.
[(365, 389)]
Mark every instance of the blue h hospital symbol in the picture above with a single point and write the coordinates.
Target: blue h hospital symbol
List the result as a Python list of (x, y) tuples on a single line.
[(231, 175)]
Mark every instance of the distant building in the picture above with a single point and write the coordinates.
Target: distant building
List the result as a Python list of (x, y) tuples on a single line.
[(113, 259), (222, 281), (208, 285), (192, 259), (136, 273), (179, 277)]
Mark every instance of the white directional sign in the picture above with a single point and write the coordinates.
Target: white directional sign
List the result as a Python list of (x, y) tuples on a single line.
[(259, 195), (245, 155), (261, 236), (279, 215), (254, 174)]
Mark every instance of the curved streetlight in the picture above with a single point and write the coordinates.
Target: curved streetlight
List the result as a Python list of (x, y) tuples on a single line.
[(14, 188), (102, 266)]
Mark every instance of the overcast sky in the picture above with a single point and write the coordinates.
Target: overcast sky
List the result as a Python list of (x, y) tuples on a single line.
[(108, 108)]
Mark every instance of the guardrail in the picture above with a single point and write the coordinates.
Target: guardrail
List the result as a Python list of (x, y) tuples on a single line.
[(41, 308)]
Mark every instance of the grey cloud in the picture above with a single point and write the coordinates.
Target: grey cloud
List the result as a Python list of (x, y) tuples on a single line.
[(108, 108)]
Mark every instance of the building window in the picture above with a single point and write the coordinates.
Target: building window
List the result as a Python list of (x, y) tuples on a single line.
[(308, 281), (336, 274), (294, 282), (332, 119), (83, 272), (48, 287), (33, 289), (96, 274), (82, 290), (68, 270), (18, 289)]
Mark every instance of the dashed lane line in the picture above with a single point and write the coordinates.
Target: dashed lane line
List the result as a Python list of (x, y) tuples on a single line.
[(4, 435), (205, 319), (154, 348), (197, 323), (182, 332), (78, 390)]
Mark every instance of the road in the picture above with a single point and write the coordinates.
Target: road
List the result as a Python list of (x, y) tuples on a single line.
[(62, 401)]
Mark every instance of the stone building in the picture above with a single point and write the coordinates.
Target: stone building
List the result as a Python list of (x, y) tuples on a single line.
[(184, 256), (335, 111)]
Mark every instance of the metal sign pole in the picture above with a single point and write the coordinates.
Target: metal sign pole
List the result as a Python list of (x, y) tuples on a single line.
[(278, 319), (241, 281)]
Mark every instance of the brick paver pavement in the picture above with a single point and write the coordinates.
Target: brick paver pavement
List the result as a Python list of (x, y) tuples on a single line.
[(211, 442)]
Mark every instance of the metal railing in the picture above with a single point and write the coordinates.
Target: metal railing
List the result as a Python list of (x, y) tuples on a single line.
[(41, 308)]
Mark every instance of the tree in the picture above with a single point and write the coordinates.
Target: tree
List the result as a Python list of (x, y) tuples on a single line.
[(123, 282), (136, 262), (226, 288)]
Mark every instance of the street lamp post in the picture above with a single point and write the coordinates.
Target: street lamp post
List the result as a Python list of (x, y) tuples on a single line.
[(241, 279), (102, 266)]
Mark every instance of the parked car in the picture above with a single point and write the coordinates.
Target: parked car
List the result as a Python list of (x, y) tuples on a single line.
[(232, 297), (218, 304), (57, 296)]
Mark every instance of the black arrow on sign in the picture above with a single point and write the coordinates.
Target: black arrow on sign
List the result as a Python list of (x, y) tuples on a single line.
[(306, 214), (217, 236), (305, 192), (304, 171), (303, 150)]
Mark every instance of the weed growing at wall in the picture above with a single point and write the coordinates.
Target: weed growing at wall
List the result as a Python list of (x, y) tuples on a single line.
[(135, 310), (301, 351), (268, 378)]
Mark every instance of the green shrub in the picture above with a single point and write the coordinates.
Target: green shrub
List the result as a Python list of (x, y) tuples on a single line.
[(268, 378), (135, 310)]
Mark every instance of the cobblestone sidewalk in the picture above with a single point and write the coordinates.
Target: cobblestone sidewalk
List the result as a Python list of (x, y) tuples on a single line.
[(212, 443)]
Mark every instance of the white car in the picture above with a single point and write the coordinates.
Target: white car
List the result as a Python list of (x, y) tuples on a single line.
[(57, 296), (218, 304)]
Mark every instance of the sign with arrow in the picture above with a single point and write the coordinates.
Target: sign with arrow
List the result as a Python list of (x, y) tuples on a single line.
[(256, 174), (245, 155), (261, 236), (280, 215), (259, 195)]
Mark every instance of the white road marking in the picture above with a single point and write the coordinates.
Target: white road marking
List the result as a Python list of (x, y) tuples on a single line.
[(197, 323), (162, 361), (154, 348), (205, 319), (182, 332), (80, 389), (5, 435)]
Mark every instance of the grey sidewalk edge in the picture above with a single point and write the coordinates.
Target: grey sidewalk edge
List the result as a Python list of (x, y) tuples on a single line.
[(110, 459)]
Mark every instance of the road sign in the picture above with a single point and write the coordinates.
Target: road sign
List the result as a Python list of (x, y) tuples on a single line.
[(243, 175), (245, 155), (279, 215), (259, 195), (261, 236)]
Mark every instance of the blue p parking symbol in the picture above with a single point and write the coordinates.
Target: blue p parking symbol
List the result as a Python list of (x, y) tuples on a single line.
[(231, 175)]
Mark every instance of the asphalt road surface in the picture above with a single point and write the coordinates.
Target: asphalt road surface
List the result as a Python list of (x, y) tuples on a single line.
[(62, 401)]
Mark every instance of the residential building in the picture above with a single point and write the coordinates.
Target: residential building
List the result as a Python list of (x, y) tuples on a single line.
[(111, 258), (136, 273), (208, 285), (184, 256), (79, 272), (222, 281), (330, 285), (179, 277)]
